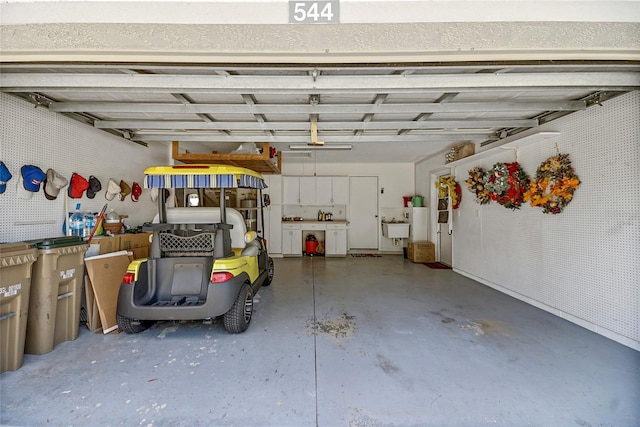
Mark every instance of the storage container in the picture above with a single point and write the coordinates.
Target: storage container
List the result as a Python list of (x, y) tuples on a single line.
[(56, 290), (421, 251), (16, 260)]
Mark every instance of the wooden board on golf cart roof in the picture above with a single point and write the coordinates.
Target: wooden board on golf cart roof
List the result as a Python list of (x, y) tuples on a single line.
[(261, 163)]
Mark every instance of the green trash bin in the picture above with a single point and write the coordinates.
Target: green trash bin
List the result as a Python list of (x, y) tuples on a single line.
[(56, 293), (16, 260)]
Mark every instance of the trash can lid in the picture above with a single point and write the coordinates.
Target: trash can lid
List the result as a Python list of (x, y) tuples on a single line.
[(13, 247), (57, 242), (13, 254)]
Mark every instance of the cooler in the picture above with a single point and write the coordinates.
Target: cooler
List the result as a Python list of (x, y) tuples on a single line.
[(56, 293), (16, 260)]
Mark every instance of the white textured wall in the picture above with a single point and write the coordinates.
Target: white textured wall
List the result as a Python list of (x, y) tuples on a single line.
[(37, 136), (584, 263)]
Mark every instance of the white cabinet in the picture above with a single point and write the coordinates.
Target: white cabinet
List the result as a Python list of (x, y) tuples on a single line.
[(308, 190), (291, 239), (315, 190), (335, 243), (324, 190), (340, 190), (273, 230), (290, 190), (274, 189)]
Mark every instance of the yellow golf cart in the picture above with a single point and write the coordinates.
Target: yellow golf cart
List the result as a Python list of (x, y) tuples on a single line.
[(202, 263)]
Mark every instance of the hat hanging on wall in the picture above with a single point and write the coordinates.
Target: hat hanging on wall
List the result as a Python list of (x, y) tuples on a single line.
[(125, 190), (77, 186), (94, 187), (113, 190), (136, 191), (53, 183), (29, 181), (5, 176)]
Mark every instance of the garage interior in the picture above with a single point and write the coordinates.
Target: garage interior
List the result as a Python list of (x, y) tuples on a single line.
[(535, 322)]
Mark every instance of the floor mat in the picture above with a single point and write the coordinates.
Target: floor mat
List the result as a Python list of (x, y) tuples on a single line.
[(437, 265), (366, 255)]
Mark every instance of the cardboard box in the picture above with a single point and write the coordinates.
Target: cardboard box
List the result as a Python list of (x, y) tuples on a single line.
[(422, 251), (107, 243), (139, 253), (464, 150), (91, 306), (133, 241), (105, 276)]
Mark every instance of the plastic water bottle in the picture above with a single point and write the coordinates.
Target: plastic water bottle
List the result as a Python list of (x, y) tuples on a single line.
[(89, 223), (76, 224)]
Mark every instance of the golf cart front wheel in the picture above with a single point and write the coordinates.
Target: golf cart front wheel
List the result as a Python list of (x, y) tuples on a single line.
[(270, 273)]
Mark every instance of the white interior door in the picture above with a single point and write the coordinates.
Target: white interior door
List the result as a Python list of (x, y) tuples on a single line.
[(363, 212), (443, 217)]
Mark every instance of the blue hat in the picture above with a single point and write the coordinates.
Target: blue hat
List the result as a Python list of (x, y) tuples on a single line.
[(5, 176), (32, 176)]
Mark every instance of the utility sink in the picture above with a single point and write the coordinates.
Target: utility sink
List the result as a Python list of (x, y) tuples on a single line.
[(395, 230)]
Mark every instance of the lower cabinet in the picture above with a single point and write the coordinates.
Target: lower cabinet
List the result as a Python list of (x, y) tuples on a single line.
[(335, 243), (335, 238), (291, 239)]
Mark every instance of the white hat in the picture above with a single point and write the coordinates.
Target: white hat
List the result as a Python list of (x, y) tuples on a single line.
[(53, 184), (23, 193), (113, 190)]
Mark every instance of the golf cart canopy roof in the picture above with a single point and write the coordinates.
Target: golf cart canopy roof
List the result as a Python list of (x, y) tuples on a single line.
[(202, 176)]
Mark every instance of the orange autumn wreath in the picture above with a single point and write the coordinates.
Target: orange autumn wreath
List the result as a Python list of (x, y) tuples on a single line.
[(554, 185)]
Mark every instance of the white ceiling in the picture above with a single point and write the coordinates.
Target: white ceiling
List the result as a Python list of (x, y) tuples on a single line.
[(398, 86), (398, 113)]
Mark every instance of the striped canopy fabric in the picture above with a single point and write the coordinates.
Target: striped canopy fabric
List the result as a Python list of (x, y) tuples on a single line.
[(202, 176)]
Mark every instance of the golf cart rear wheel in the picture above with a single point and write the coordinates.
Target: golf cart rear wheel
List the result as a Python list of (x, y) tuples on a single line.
[(237, 319), (131, 326), (270, 273)]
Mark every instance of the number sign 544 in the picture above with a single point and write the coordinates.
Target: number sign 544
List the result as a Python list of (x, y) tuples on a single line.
[(314, 12)]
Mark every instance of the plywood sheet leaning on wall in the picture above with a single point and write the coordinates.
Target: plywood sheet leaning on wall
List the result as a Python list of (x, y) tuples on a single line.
[(105, 274)]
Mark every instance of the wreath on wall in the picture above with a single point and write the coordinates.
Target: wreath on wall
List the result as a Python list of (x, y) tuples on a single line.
[(554, 185), (507, 183), (475, 184), (448, 187)]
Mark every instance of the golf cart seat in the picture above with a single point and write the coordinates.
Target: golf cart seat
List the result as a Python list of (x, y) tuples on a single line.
[(188, 241), (252, 247), (209, 216)]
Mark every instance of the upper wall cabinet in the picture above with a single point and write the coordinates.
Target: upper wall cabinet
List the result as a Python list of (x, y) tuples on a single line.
[(315, 190), (291, 190), (307, 190), (340, 190), (274, 189)]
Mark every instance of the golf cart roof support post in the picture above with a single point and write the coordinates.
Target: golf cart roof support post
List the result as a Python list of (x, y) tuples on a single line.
[(223, 206), (162, 208), (261, 232)]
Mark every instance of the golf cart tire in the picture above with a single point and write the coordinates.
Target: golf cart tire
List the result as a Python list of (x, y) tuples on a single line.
[(237, 319), (270, 273), (131, 326)]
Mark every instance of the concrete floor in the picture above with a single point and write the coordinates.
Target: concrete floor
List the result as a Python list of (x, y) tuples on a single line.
[(372, 341)]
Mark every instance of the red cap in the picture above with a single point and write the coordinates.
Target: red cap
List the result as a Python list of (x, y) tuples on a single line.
[(77, 186), (136, 191)]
